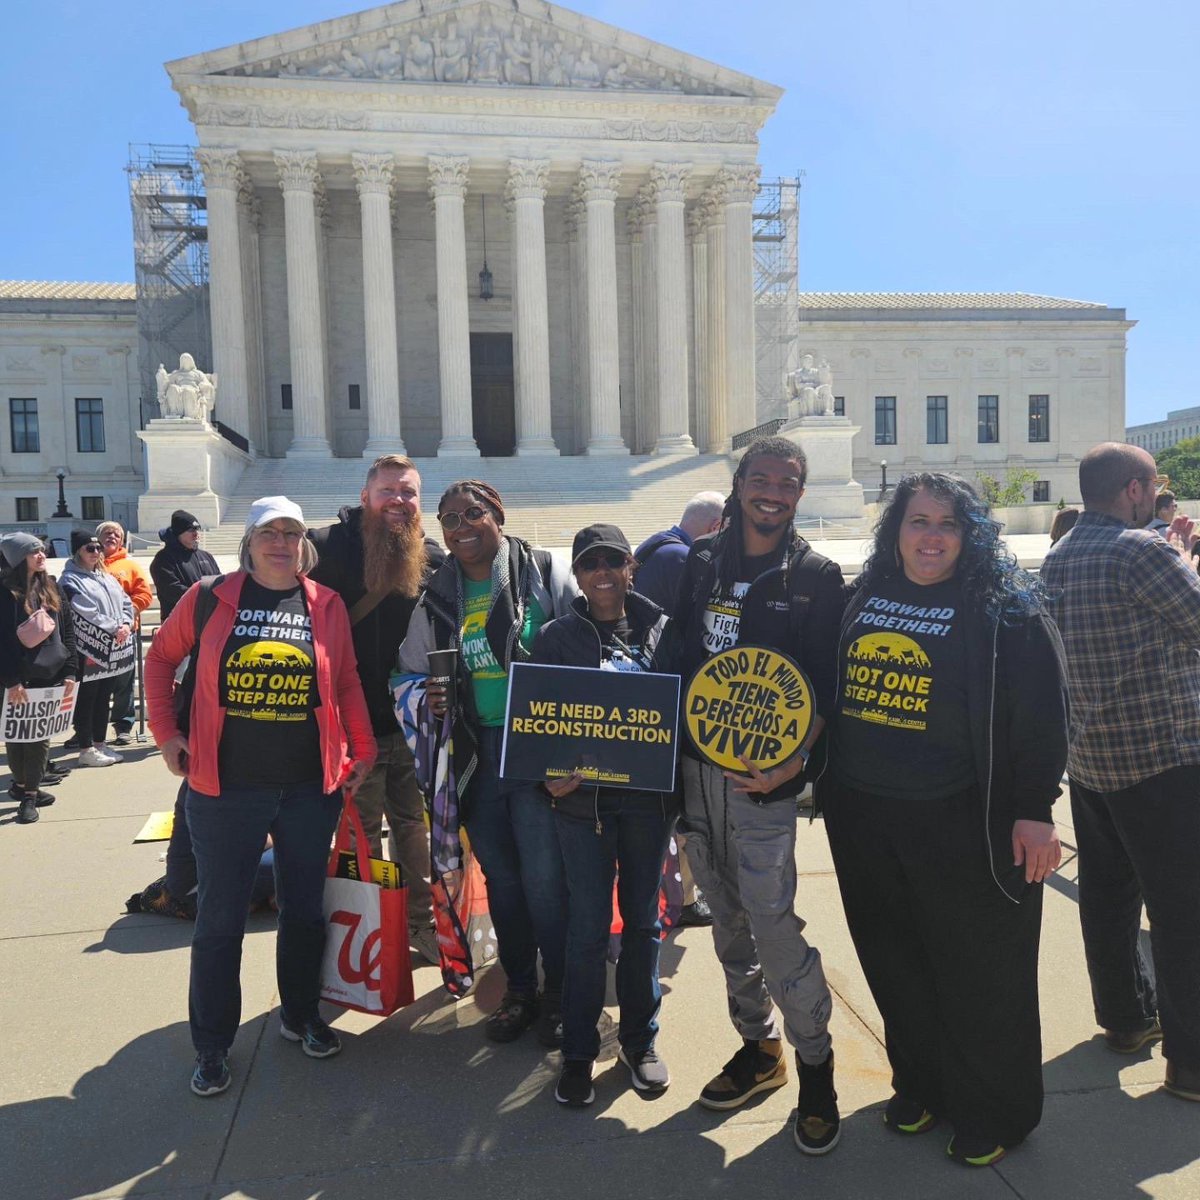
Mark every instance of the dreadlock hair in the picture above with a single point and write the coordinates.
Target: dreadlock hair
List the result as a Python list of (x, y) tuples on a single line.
[(479, 491), (732, 541), (990, 577)]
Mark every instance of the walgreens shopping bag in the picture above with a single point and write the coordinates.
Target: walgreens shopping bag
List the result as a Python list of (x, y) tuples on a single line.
[(367, 964)]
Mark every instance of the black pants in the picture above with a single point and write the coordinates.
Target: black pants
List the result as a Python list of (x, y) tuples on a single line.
[(1143, 844), (91, 710), (950, 960), (27, 762), (122, 702)]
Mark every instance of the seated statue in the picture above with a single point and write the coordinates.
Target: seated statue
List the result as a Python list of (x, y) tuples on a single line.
[(187, 392)]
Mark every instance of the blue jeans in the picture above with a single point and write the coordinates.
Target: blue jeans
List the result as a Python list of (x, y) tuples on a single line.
[(228, 833), (630, 846), (511, 826)]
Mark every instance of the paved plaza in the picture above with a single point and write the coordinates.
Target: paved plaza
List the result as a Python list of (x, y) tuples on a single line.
[(94, 1099)]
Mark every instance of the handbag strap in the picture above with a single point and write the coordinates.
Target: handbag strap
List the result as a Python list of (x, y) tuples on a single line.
[(367, 604), (350, 826)]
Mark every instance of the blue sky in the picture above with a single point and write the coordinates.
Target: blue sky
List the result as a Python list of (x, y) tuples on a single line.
[(1034, 145)]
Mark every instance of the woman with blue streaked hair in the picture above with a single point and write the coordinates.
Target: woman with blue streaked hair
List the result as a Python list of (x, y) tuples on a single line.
[(948, 745)]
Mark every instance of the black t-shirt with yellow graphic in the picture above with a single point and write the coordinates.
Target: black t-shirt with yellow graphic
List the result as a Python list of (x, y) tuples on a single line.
[(902, 728), (723, 612), (268, 688)]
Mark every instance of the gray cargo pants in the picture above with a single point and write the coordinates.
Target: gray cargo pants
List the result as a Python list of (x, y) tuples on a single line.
[(743, 855)]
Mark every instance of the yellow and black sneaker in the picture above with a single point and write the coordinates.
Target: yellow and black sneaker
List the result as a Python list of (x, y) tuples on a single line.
[(974, 1151), (908, 1116), (818, 1125), (756, 1067)]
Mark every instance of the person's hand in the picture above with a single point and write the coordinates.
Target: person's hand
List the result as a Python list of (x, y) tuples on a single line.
[(17, 695), (1035, 843), (438, 697), (68, 689), (564, 785), (123, 635), (175, 754), (358, 772), (762, 782)]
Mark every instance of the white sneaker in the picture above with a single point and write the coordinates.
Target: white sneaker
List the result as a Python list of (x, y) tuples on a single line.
[(110, 753), (91, 757)]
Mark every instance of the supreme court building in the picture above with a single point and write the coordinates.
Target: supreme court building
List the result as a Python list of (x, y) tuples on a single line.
[(463, 227)]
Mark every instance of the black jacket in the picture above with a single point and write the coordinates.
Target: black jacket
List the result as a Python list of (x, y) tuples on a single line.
[(378, 635), (46, 664), (1017, 706), (573, 641), (778, 611), (174, 570)]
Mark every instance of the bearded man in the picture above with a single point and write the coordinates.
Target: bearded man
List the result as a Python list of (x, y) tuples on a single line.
[(377, 559)]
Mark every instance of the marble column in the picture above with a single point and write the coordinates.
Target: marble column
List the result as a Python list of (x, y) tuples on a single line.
[(575, 224), (669, 181), (637, 289), (740, 185), (717, 435), (448, 187), (527, 178), (373, 179), (249, 218), (643, 217), (299, 179), (699, 244), (223, 178), (600, 180)]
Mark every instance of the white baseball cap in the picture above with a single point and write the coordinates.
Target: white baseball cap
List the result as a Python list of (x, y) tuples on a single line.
[(272, 508)]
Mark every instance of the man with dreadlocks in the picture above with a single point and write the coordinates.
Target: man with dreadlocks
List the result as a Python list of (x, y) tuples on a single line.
[(757, 582), (377, 558)]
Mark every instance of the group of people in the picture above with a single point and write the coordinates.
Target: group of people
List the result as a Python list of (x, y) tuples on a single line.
[(951, 690)]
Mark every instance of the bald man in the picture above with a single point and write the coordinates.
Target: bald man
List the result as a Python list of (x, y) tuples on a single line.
[(1128, 607)]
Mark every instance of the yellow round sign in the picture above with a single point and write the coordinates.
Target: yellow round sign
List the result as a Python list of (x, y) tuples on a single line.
[(748, 702)]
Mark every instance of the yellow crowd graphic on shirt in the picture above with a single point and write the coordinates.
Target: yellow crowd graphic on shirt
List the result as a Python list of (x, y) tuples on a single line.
[(269, 681), (748, 702), (888, 677)]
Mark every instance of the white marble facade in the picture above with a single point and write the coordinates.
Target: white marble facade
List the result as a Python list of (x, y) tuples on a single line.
[(350, 169)]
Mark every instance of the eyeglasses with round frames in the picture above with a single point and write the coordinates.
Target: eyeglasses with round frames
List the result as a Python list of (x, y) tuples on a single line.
[(452, 520), (614, 560), (267, 534)]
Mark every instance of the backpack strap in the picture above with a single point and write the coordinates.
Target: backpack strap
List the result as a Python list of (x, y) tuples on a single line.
[(206, 605), (367, 604), (653, 547), (802, 579)]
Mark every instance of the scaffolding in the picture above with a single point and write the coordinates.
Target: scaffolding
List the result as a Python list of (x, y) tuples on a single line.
[(170, 249), (776, 286)]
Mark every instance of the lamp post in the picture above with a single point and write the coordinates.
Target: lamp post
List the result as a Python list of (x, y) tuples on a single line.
[(883, 485), (62, 510)]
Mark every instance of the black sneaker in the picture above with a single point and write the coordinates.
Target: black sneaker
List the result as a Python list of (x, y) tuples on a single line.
[(123, 739), (27, 813), (75, 742), (973, 1151), (907, 1116), (575, 1085), (1131, 1041), (514, 1015), (756, 1067), (697, 914), (550, 1021), (818, 1125), (211, 1075), (316, 1039), (53, 777), (648, 1071)]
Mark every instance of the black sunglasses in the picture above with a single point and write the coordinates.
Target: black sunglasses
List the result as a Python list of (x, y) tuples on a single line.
[(452, 520), (614, 560), (94, 547)]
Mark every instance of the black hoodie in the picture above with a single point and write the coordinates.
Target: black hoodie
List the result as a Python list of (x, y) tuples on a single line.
[(175, 568)]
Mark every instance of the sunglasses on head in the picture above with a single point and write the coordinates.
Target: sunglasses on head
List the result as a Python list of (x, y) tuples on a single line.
[(614, 560), (452, 520)]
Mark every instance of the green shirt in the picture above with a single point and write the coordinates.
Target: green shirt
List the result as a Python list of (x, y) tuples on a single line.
[(489, 681)]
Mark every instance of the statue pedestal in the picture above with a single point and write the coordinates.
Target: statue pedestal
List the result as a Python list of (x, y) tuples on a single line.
[(831, 490), (188, 465)]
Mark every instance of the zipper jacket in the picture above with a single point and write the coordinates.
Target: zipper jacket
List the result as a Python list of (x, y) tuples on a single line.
[(1017, 710)]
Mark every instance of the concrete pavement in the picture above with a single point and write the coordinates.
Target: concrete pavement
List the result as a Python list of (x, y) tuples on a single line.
[(96, 1057)]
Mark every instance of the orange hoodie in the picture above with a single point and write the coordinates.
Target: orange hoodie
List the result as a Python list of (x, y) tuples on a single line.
[(132, 578)]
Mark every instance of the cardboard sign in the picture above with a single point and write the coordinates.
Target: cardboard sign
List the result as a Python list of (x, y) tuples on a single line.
[(157, 828), (751, 702), (46, 713), (618, 728), (99, 652)]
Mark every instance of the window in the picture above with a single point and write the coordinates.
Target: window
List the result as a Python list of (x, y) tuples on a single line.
[(93, 508), (285, 396), (355, 396), (89, 426), (23, 420), (937, 425), (989, 418), (1039, 418), (1041, 492), (27, 508), (885, 420), (839, 406)]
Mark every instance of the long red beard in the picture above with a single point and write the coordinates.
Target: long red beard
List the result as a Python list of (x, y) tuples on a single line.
[(393, 559)]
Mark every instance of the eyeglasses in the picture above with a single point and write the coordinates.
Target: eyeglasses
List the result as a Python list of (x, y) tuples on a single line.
[(614, 560), (290, 536), (452, 520), (1159, 482), (92, 547)]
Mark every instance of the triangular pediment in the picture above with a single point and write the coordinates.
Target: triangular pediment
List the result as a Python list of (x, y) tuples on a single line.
[(481, 43)]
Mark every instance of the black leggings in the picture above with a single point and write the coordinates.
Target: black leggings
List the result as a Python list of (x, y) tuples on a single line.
[(91, 709), (27, 762)]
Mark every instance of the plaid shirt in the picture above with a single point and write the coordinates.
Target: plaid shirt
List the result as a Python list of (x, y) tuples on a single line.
[(1128, 608)]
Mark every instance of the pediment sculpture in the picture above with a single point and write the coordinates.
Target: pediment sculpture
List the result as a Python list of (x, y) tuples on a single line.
[(810, 389), (187, 392)]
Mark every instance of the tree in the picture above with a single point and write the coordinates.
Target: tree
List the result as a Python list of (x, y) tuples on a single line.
[(1008, 493), (1182, 463)]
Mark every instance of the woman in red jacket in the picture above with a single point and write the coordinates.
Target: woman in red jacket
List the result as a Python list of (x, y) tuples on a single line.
[(278, 727)]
